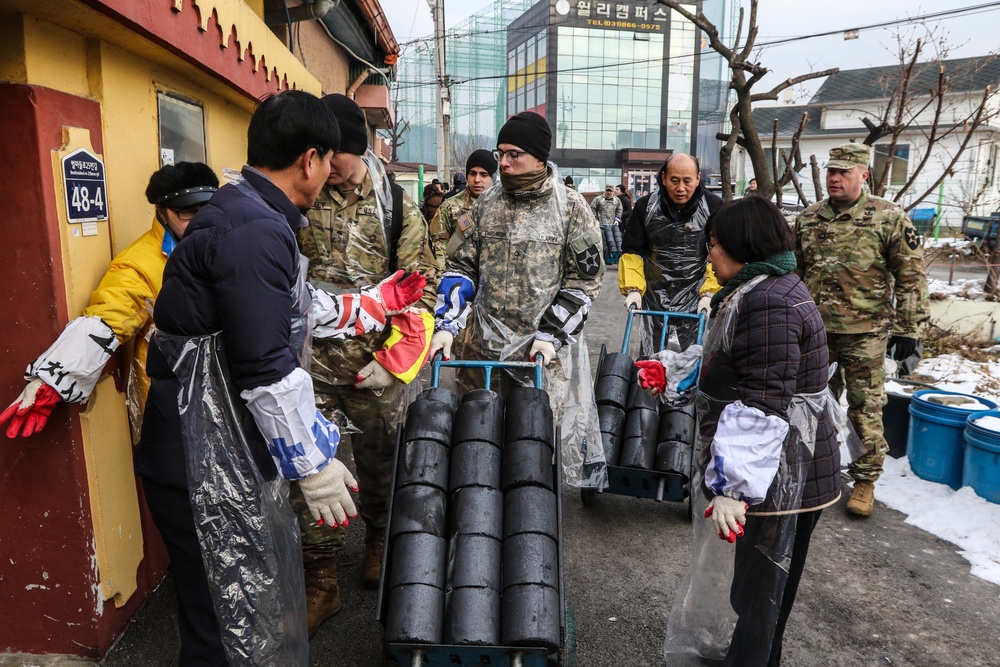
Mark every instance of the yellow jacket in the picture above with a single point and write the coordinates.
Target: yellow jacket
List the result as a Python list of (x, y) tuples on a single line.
[(124, 301), (632, 276)]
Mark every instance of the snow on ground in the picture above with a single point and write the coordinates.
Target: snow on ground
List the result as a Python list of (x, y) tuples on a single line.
[(971, 289), (960, 517)]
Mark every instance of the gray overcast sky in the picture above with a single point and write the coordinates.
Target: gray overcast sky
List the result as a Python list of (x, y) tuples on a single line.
[(972, 34)]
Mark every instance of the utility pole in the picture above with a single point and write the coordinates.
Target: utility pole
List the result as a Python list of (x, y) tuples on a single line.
[(444, 96)]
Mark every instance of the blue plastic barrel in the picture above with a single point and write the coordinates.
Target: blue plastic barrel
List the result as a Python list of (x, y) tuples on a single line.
[(982, 458), (935, 444)]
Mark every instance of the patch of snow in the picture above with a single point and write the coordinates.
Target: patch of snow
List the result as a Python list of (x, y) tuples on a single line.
[(960, 517), (988, 423)]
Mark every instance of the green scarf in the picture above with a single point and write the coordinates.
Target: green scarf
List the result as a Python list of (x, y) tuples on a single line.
[(776, 265)]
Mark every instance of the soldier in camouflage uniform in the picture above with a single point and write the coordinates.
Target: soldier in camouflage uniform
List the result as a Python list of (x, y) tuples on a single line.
[(479, 170), (529, 261), (349, 242), (863, 262)]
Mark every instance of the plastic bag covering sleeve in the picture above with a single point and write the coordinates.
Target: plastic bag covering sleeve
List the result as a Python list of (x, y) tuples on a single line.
[(248, 532), (681, 369), (746, 451), (73, 363), (405, 351), (300, 439), (565, 318), (455, 294), (711, 284), (347, 314), (631, 274)]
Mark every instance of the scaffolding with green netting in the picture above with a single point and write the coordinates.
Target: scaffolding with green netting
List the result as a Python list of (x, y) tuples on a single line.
[(476, 51)]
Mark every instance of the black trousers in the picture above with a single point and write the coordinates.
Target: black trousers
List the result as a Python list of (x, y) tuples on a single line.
[(201, 641), (758, 583)]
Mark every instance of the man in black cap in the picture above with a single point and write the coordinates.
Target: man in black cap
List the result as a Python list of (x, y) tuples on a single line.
[(479, 170), (529, 259), (361, 230)]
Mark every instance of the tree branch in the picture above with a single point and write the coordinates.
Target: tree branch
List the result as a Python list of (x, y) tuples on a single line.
[(787, 83)]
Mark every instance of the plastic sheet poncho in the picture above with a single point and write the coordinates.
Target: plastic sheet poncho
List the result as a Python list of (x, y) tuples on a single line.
[(568, 379), (712, 597), (674, 268), (249, 535)]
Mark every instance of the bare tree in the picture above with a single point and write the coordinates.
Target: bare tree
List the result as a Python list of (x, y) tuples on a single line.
[(924, 105), (396, 133), (744, 75)]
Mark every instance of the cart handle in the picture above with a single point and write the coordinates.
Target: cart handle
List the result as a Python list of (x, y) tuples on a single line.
[(666, 315), (438, 361)]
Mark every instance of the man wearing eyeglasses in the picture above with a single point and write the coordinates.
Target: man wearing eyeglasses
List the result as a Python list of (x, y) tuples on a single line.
[(120, 309), (529, 265)]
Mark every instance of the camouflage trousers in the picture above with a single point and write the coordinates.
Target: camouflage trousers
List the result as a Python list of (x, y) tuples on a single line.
[(861, 368), (374, 448)]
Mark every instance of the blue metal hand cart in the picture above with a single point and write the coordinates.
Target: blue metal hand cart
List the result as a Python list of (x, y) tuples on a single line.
[(449, 655), (635, 481)]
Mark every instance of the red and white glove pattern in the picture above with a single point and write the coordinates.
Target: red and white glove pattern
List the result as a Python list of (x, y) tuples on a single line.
[(29, 413)]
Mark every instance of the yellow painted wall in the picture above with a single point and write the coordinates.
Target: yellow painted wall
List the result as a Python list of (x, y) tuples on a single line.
[(125, 83)]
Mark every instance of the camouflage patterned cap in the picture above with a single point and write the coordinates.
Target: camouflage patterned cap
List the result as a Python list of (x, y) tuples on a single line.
[(848, 156)]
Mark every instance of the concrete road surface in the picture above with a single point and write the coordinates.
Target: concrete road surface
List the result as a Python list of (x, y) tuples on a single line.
[(875, 591)]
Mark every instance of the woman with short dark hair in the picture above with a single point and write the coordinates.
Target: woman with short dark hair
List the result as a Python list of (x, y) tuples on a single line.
[(767, 458)]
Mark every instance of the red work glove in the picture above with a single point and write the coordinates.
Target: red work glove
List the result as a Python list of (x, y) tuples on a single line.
[(652, 376), (399, 293), (28, 414)]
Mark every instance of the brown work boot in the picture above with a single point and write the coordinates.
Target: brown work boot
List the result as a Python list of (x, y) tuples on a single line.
[(322, 592), (374, 545), (862, 500)]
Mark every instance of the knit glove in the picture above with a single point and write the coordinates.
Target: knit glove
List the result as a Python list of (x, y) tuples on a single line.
[(442, 340), (652, 376), (398, 293), (373, 376), (729, 516), (326, 494), (903, 347), (544, 348), (633, 300), (29, 413)]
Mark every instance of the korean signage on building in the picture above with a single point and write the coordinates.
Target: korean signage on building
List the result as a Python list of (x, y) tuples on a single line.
[(643, 16), (86, 190)]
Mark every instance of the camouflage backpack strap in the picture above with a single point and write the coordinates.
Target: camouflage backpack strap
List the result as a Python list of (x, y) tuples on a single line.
[(396, 225)]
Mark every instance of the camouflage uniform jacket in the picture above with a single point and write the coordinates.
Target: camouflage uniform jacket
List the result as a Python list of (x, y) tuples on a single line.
[(532, 271), (442, 227), (346, 245), (858, 262), (607, 211)]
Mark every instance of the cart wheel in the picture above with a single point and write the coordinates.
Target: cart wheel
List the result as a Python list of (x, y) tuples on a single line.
[(569, 645), (589, 497)]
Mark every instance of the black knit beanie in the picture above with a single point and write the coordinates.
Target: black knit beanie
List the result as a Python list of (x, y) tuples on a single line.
[(529, 131), (483, 159), (353, 128)]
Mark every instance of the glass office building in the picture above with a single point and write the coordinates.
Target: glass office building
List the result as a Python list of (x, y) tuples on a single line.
[(622, 84)]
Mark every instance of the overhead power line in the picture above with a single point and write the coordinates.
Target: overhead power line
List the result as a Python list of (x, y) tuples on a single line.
[(944, 14)]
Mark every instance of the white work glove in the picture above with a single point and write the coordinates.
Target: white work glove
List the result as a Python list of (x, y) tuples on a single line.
[(373, 376), (704, 304), (442, 340), (327, 496), (729, 515), (544, 348), (633, 298)]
